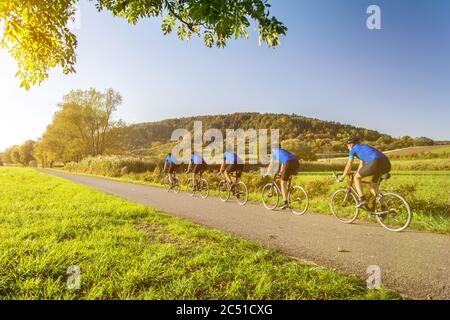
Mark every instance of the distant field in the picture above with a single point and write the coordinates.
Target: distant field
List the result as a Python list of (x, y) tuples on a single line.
[(417, 150), (129, 251), (445, 149), (397, 165), (441, 149)]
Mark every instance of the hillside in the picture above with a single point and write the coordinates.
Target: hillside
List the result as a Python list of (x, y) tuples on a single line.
[(326, 138)]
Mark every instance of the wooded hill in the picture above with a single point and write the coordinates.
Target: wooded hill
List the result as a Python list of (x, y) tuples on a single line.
[(325, 138)]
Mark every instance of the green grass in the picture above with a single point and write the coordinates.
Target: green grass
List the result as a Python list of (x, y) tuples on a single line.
[(128, 251), (442, 150)]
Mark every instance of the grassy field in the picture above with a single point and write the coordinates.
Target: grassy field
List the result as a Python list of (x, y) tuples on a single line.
[(128, 251), (428, 192), (418, 150), (397, 165), (445, 149), (402, 153)]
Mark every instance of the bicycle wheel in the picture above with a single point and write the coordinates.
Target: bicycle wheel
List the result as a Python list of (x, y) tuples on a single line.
[(396, 214), (177, 185), (167, 184), (189, 187), (298, 200), (203, 186), (270, 196), (224, 190), (241, 193), (342, 205)]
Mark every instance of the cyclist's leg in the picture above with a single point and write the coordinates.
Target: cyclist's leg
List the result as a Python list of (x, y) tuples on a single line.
[(239, 170), (194, 175), (365, 171), (362, 201), (174, 178), (229, 169), (171, 169), (359, 185), (383, 167), (284, 185), (193, 180), (202, 171), (370, 169), (289, 169)]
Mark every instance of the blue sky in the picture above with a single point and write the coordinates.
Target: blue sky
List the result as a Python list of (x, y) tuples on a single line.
[(330, 66)]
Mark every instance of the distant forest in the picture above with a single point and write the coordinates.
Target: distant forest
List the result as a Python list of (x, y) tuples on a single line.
[(323, 137), (79, 131)]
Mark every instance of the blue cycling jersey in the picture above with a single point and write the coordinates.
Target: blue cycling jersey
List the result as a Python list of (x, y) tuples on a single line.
[(171, 160), (283, 156), (232, 158), (365, 153), (196, 159)]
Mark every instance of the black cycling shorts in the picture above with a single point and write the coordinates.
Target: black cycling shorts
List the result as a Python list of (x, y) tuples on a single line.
[(173, 167), (236, 167), (290, 168), (376, 169), (199, 168)]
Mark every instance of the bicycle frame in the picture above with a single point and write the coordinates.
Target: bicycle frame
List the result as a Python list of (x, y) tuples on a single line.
[(231, 175), (352, 189), (278, 186), (173, 179)]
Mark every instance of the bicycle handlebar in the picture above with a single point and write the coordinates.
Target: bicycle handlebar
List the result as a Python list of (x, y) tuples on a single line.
[(336, 176)]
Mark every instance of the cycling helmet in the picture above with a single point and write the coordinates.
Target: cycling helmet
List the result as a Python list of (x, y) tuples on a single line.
[(353, 140)]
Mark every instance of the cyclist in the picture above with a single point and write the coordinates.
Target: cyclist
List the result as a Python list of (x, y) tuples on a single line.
[(372, 163), (198, 166), (171, 165), (289, 167), (231, 163)]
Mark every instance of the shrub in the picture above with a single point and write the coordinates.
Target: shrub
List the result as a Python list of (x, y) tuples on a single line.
[(318, 188), (33, 164), (112, 166)]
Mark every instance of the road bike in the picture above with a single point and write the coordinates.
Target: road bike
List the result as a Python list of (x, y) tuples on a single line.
[(298, 199), (390, 209), (174, 186), (237, 191), (200, 187)]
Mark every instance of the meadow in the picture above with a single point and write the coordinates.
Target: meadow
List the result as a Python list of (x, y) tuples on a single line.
[(424, 183), (129, 251)]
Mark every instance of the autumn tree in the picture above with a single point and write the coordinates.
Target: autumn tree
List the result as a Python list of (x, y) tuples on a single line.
[(84, 126), (26, 152), (38, 36), (7, 156), (300, 149)]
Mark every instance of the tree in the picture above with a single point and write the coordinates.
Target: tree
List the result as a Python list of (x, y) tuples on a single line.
[(84, 126), (15, 154), (7, 156), (301, 150), (26, 152), (37, 35), (423, 141)]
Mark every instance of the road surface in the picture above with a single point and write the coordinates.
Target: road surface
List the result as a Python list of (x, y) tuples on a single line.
[(416, 264)]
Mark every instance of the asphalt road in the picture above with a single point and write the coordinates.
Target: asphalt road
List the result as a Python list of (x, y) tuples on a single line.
[(416, 264)]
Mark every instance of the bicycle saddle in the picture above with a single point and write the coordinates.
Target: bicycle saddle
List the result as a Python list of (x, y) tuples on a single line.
[(385, 176)]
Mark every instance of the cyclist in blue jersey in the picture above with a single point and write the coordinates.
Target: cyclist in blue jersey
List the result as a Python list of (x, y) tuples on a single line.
[(231, 163), (198, 166), (286, 165), (171, 165), (373, 163)]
